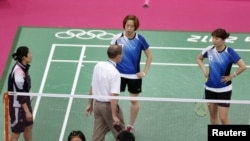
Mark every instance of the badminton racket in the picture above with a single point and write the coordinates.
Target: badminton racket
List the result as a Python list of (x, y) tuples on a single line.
[(201, 108)]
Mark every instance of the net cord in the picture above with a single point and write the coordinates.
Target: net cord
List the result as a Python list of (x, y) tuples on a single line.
[(160, 99)]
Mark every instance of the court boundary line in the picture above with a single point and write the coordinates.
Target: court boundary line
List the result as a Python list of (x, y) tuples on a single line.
[(66, 117), (151, 47), (44, 78), (142, 63)]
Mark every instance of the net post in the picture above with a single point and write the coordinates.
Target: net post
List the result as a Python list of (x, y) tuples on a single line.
[(6, 116)]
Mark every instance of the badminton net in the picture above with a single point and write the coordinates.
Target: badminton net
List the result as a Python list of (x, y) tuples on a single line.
[(172, 119)]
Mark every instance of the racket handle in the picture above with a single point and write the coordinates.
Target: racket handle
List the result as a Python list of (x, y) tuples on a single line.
[(207, 74)]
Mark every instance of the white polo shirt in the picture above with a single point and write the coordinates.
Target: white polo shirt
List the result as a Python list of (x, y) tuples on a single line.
[(106, 79)]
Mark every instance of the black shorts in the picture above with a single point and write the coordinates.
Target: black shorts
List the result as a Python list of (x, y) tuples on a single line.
[(219, 96), (18, 120), (134, 85)]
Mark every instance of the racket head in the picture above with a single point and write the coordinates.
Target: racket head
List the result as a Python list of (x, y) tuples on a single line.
[(201, 109)]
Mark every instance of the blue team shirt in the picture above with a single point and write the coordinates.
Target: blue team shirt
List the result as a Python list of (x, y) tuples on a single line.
[(132, 48), (220, 64)]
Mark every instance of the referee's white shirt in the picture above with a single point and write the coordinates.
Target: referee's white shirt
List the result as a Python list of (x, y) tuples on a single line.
[(106, 79)]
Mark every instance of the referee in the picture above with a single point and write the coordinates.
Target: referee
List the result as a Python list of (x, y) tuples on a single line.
[(106, 81)]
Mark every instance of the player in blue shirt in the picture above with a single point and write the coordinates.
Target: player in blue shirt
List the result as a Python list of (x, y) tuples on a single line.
[(219, 77), (133, 45)]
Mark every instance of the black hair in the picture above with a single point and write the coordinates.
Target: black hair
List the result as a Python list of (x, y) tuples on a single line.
[(221, 33), (20, 53), (125, 136), (76, 133)]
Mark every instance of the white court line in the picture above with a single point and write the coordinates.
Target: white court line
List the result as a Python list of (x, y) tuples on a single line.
[(151, 47), (72, 93), (153, 63), (44, 79)]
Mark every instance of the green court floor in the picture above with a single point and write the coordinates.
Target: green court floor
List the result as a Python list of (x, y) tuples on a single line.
[(63, 60)]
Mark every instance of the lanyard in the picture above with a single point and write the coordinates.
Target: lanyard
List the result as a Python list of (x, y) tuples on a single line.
[(113, 63)]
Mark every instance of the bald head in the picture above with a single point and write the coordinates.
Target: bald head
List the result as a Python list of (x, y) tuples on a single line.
[(114, 51)]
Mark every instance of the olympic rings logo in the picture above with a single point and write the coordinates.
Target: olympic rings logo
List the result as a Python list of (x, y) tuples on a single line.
[(85, 35)]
